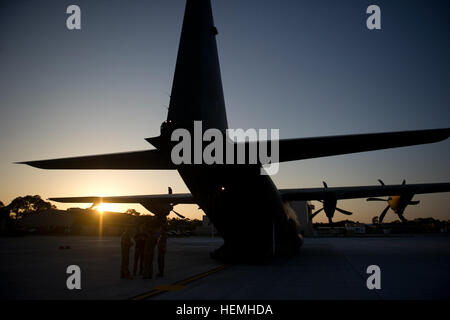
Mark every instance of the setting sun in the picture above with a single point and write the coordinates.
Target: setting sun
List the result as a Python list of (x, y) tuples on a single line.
[(106, 207)]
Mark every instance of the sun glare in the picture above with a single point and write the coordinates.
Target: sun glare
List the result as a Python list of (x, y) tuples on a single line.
[(106, 207)]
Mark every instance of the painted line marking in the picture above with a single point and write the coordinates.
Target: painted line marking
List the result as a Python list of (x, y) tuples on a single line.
[(179, 285), (170, 287)]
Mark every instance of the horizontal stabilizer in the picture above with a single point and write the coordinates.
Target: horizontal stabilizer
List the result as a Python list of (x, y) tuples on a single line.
[(154, 199), (135, 160), (289, 150), (308, 148), (362, 191)]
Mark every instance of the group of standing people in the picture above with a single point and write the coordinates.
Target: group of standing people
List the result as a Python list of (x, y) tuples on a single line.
[(150, 236)]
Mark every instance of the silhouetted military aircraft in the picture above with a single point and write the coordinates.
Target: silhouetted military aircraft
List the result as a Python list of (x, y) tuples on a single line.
[(246, 207), (397, 203)]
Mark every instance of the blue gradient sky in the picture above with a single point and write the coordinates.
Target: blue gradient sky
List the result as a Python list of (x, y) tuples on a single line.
[(309, 68)]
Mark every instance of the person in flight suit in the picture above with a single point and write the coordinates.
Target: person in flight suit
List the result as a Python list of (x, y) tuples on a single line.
[(139, 248), (126, 242)]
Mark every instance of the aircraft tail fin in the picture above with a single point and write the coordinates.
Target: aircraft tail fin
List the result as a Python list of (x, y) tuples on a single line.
[(197, 93)]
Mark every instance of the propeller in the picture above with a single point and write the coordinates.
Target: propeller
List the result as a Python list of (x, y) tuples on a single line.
[(178, 214), (376, 199), (382, 183), (411, 203), (385, 210), (96, 204), (383, 213), (162, 210), (329, 206)]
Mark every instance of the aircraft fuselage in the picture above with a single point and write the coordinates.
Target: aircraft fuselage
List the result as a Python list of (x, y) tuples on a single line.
[(246, 208)]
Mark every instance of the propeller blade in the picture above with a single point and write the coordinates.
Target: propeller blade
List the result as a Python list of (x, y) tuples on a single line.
[(325, 184), (316, 213), (404, 182), (330, 220), (376, 199), (413, 203), (170, 190), (381, 181), (383, 214), (180, 215), (402, 218), (95, 204), (344, 211)]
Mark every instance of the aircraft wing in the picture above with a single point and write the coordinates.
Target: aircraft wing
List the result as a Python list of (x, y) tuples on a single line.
[(135, 160), (153, 199), (361, 192), (307, 148)]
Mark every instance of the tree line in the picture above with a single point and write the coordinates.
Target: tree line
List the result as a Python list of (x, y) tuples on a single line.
[(21, 207)]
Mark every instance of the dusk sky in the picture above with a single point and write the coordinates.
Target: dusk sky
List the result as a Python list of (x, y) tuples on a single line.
[(308, 68)]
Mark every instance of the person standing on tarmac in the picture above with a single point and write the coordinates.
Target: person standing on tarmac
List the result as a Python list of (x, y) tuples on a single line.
[(162, 246), (126, 242), (149, 250), (139, 248)]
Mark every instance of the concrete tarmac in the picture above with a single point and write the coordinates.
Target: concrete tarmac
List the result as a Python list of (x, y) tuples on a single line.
[(413, 267), (35, 268)]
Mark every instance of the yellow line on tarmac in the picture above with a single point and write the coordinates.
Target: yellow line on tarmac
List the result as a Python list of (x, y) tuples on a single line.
[(179, 285)]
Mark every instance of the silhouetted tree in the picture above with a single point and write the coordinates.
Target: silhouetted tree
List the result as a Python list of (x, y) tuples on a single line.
[(4, 219), (3, 211), (23, 206), (133, 212)]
